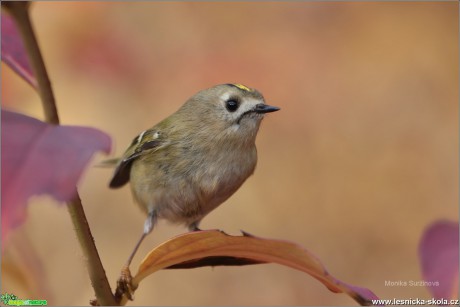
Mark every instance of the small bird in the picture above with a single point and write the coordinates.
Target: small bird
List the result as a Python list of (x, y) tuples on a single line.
[(195, 159)]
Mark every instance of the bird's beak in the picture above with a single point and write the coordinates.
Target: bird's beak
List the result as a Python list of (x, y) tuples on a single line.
[(265, 108)]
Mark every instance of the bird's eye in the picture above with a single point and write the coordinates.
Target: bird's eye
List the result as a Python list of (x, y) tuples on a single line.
[(232, 104)]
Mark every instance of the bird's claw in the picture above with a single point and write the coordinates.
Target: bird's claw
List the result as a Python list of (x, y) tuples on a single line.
[(124, 284)]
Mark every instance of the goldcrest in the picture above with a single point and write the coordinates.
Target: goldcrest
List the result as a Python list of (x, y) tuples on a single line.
[(191, 162)]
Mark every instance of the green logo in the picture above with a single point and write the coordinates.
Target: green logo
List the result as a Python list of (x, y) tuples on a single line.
[(6, 297), (12, 300)]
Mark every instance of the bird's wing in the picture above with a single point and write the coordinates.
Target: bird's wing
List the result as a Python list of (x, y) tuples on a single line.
[(145, 142)]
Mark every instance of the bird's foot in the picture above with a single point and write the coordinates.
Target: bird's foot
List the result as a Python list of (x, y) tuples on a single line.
[(124, 285)]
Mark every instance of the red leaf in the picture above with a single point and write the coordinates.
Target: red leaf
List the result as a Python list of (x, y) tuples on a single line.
[(13, 52), (202, 245), (38, 158), (438, 251)]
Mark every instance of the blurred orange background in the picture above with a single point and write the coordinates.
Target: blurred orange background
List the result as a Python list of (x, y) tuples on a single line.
[(361, 158)]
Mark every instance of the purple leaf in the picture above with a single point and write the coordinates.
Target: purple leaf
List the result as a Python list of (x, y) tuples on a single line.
[(38, 158), (438, 251), (13, 52)]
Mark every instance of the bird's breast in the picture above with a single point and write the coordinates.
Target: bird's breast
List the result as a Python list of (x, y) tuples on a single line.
[(184, 184)]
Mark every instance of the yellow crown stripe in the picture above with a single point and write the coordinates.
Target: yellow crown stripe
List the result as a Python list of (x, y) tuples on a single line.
[(243, 87)]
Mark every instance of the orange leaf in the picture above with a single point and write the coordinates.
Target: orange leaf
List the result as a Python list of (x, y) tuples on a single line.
[(212, 243)]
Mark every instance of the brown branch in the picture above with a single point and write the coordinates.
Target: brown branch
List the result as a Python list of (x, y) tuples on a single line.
[(101, 286), (20, 12), (96, 270)]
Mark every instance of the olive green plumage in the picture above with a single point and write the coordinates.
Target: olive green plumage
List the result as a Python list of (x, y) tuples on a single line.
[(195, 159)]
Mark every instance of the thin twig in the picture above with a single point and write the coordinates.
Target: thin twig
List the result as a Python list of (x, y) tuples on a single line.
[(101, 286), (20, 12), (95, 269)]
